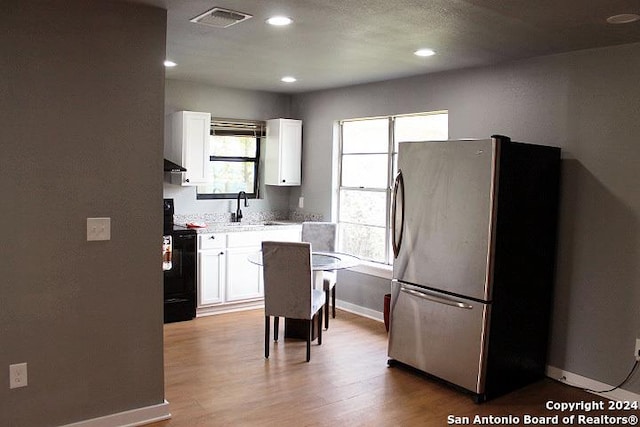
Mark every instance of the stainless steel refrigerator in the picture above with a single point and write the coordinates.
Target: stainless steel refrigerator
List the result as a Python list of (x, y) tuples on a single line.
[(474, 239)]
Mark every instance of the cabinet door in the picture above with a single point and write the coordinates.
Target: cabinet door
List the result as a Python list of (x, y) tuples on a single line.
[(283, 155), (290, 152), (211, 277), (192, 133), (244, 279)]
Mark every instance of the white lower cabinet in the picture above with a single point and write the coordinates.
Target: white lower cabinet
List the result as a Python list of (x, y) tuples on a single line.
[(244, 279), (211, 268), (212, 277), (226, 279)]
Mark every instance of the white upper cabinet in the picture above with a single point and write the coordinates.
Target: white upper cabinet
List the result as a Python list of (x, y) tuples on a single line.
[(283, 155), (189, 146)]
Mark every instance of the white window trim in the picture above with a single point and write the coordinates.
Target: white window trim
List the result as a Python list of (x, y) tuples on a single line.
[(376, 269)]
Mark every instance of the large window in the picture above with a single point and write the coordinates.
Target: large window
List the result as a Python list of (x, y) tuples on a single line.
[(234, 154), (368, 149)]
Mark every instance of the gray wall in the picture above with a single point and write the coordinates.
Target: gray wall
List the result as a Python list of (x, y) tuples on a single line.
[(587, 103), (232, 104), (82, 89)]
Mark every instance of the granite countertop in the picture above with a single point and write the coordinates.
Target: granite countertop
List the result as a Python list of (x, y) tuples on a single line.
[(230, 227)]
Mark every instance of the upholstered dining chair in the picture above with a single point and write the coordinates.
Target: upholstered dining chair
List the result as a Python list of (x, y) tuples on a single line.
[(288, 288), (322, 236)]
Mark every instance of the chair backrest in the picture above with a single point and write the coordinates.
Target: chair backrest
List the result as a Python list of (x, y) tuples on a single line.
[(321, 235), (288, 279)]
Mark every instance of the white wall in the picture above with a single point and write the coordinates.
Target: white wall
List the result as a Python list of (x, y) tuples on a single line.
[(81, 116), (587, 103)]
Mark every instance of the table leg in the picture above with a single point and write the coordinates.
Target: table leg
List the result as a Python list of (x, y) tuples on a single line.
[(297, 329)]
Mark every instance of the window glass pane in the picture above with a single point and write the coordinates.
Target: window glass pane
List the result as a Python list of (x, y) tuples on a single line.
[(366, 242), (230, 177), (365, 136), (364, 170), (233, 146), (429, 127), (363, 207)]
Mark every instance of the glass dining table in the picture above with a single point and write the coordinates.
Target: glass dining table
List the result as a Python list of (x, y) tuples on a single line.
[(320, 261)]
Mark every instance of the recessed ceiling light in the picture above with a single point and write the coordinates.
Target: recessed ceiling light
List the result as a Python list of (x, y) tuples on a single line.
[(169, 64), (279, 21), (624, 18), (424, 52), (288, 79)]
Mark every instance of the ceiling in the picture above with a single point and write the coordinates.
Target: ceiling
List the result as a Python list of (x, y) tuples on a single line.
[(334, 43)]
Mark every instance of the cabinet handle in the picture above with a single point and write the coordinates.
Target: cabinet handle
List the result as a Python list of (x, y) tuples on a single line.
[(212, 237), (186, 180), (221, 253), (284, 180)]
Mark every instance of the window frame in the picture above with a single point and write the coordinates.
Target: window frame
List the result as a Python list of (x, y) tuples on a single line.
[(385, 190), (391, 168), (233, 127)]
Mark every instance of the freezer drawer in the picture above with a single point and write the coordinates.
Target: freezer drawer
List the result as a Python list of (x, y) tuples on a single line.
[(441, 335)]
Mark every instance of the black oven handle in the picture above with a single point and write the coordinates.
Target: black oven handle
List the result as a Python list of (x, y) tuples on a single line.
[(184, 236)]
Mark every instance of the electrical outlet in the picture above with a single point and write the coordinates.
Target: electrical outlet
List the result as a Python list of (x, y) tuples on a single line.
[(18, 375), (637, 352)]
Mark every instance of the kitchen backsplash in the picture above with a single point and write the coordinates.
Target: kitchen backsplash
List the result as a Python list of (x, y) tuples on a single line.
[(248, 217)]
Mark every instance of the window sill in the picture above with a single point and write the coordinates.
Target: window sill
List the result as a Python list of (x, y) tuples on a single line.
[(374, 269)]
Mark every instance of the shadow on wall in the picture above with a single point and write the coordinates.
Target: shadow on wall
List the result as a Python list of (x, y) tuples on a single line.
[(595, 308)]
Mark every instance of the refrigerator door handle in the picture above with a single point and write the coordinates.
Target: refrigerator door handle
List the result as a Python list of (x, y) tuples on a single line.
[(396, 240), (438, 299)]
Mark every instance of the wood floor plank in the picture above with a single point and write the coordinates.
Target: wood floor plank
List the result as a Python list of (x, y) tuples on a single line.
[(216, 375)]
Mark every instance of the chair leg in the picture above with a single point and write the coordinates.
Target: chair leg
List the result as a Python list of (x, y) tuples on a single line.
[(333, 301), (276, 327), (320, 326), (309, 329), (326, 313), (267, 322)]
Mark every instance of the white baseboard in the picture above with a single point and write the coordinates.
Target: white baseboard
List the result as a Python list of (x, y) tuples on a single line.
[(134, 417), (228, 308), (361, 311), (342, 305), (576, 380)]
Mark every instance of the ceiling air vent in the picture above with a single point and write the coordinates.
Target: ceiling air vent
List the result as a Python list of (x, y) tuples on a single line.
[(220, 18)]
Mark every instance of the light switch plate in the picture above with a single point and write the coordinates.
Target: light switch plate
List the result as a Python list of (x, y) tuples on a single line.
[(18, 375), (98, 229)]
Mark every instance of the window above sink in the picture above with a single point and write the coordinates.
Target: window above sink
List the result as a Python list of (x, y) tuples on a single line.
[(234, 155)]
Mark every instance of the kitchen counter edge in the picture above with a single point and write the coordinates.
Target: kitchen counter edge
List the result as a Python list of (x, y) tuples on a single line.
[(238, 227)]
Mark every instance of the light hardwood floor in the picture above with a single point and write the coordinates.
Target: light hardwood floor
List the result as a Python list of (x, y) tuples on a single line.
[(216, 375)]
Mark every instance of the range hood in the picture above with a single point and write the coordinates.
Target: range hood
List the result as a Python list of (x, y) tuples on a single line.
[(169, 166)]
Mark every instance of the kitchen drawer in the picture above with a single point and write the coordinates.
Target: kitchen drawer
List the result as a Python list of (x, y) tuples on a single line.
[(289, 235), (255, 238), (212, 241)]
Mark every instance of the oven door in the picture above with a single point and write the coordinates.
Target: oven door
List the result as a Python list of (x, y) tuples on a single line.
[(180, 279)]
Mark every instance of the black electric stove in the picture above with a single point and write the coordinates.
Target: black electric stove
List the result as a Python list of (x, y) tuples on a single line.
[(180, 271)]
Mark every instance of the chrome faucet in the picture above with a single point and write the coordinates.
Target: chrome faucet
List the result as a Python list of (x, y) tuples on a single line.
[(238, 214)]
